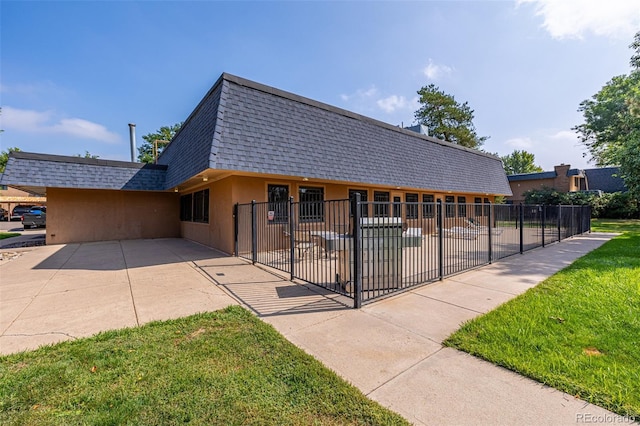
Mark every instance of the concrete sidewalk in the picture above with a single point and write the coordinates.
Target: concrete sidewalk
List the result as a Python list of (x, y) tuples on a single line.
[(391, 350)]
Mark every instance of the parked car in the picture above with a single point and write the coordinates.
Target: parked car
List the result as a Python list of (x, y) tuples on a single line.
[(35, 217), (4, 215), (19, 210)]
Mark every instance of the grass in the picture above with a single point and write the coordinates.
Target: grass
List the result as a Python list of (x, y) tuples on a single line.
[(225, 367), (578, 331), (4, 235), (615, 225)]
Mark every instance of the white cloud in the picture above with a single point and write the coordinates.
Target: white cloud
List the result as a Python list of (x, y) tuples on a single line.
[(519, 143), (565, 135), (360, 94), (574, 18), (391, 103), (549, 147), (434, 71), (45, 122), (21, 119)]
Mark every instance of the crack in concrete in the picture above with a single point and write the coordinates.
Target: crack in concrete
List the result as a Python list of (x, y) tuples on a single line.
[(48, 333)]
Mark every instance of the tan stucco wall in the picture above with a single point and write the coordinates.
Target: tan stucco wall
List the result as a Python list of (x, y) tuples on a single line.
[(224, 193), (81, 215)]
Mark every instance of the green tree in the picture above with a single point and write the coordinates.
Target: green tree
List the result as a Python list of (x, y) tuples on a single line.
[(446, 118), (611, 128), (87, 154), (4, 157), (163, 135), (520, 162)]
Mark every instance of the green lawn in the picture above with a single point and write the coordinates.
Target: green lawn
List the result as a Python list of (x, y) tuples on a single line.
[(4, 235), (578, 331), (615, 225), (225, 367)]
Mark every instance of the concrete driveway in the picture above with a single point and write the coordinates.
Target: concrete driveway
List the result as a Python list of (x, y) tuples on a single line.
[(391, 350), (62, 292)]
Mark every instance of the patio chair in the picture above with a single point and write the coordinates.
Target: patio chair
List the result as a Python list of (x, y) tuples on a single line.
[(303, 242), (475, 226), (460, 232)]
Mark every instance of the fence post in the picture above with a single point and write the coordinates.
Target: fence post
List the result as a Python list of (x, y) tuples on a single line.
[(521, 221), (292, 241), (544, 216), (559, 222), (235, 229), (440, 241), (580, 224), (589, 217), (357, 265), (572, 225), (254, 233), (489, 220)]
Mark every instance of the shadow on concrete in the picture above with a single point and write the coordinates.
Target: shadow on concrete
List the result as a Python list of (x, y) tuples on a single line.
[(123, 254)]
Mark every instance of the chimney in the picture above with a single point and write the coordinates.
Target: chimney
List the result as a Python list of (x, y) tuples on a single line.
[(419, 128), (132, 137)]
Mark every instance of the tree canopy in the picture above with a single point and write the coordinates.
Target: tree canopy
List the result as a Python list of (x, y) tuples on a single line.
[(520, 162), (163, 134), (87, 154), (611, 128), (446, 118), (4, 157)]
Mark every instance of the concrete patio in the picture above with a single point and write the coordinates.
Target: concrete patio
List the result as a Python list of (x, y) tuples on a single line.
[(391, 350)]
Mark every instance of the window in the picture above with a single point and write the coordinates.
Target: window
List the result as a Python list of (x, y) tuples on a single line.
[(478, 206), (278, 198), (364, 208), (412, 205), (311, 204), (186, 208), (427, 207), (462, 207), (397, 207), (450, 207), (194, 207), (380, 209), (487, 207), (201, 206)]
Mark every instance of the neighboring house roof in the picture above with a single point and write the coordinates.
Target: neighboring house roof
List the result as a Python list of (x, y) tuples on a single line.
[(245, 126), (606, 179), (34, 172), (532, 176)]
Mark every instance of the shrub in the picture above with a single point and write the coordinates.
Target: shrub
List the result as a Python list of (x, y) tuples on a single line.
[(617, 205)]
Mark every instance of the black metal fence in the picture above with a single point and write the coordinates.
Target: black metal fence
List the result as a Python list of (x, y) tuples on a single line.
[(367, 250)]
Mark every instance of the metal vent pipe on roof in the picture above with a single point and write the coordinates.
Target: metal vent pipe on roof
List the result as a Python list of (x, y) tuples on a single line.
[(132, 137)]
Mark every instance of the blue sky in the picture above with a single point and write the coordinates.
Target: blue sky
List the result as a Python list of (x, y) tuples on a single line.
[(73, 74)]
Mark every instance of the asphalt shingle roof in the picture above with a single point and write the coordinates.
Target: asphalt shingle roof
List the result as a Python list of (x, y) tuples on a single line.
[(532, 176), (604, 179), (25, 169), (250, 127)]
